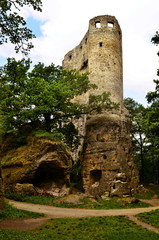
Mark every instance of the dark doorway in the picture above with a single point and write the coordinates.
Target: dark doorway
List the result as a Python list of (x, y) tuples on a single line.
[(95, 176), (48, 173)]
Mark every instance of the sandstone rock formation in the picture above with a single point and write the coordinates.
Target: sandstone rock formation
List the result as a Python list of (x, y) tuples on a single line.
[(107, 161), (43, 166)]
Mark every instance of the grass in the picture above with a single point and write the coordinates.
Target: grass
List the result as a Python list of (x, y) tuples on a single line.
[(146, 195), (150, 218), (152, 190), (113, 203), (45, 134), (12, 213), (101, 228)]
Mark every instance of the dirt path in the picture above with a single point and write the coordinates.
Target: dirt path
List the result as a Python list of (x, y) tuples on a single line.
[(22, 224), (56, 212)]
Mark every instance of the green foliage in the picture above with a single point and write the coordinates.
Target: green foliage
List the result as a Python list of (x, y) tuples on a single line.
[(146, 195), (45, 134), (155, 39), (43, 98), (137, 117), (13, 26), (2, 126), (102, 228), (154, 189), (12, 87), (145, 131), (12, 213), (149, 191), (152, 124), (76, 176)]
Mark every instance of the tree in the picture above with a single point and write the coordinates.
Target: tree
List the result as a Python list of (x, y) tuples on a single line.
[(45, 95), (152, 120), (13, 82), (13, 26), (137, 113)]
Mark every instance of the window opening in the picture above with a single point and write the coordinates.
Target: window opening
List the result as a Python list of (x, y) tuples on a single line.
[(104, 156), (100, 44), (98, 24), (70, 57), (86, 41), (84, 65), (110, 24), (95, 176)]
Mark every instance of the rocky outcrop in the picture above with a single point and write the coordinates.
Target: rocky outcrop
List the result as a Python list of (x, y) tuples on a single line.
[(107, 161), (44, 164)]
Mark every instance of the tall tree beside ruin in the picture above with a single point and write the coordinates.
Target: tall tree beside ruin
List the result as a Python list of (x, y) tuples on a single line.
[(145, 131), (137, 130), (152, 122), (44, 95), (13, 29)]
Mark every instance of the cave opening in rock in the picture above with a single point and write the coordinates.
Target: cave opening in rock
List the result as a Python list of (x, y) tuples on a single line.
[(47, 175), (95, 176)]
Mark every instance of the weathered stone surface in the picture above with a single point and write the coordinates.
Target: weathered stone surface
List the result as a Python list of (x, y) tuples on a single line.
[(107, 161), (42, 162), (100, 54), (25, 188), (106, 157)]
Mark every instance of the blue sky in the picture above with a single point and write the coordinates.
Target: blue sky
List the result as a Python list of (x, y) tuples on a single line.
[(62, 25), (34, 25)]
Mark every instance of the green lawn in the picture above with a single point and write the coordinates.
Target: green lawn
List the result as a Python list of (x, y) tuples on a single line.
[(150, 218), (150, 191), (95, 228)]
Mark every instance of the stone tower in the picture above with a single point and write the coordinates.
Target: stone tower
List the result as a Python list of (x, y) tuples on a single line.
[(107, 162), (100, 54)]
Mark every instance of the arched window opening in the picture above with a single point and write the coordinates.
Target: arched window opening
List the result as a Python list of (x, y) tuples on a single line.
[(98, 24), (110, 24)]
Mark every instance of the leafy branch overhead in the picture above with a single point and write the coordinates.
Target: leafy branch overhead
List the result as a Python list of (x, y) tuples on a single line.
[(13, 25)]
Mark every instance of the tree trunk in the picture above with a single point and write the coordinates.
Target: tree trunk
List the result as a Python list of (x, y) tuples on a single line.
[(47, 124)]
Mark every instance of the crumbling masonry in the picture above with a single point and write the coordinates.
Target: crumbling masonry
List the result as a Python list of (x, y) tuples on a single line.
[(107, 161)]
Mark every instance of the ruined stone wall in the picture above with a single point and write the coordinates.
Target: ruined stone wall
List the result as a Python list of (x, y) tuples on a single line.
[(107, 160), (100, 54), (108, 166)]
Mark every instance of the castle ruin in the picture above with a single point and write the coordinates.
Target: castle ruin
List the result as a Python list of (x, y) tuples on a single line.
[(107, 161)]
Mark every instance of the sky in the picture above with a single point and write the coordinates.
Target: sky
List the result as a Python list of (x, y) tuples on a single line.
[(63, 23)]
